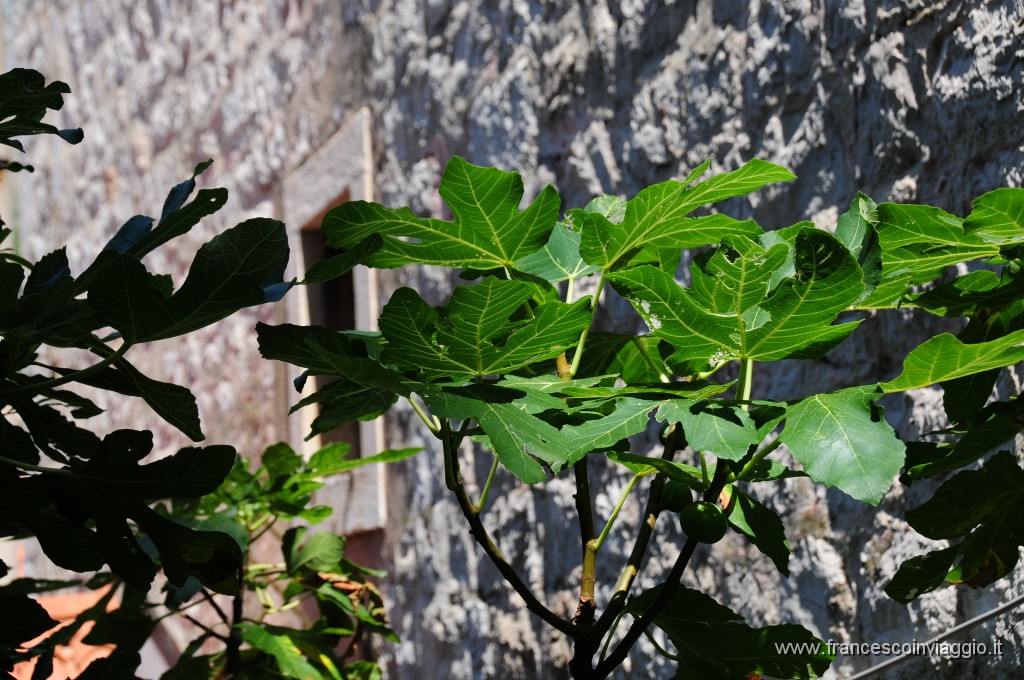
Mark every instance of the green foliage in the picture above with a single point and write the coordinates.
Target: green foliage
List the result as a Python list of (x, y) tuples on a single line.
[(515, 363), (24, 100), (714, 642), (92, 502), (338, 601)]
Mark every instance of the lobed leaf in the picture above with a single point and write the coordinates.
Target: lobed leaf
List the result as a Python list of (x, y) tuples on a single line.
[(527, 445), (487, 231), (480, 332), (986, 508), (729, 316), (656, 218), (234, 270)]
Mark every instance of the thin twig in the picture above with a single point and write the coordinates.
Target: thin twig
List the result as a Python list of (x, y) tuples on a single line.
[(209, 631), (213, 603), (453, 478)]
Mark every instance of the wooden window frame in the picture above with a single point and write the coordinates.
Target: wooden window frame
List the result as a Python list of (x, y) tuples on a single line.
[(341, 170)]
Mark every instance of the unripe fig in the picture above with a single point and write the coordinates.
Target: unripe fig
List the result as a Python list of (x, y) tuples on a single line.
[(675, 496), (703, 521)]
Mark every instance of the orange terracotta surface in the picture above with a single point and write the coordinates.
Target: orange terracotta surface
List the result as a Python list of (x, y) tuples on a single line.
[(70, 660)]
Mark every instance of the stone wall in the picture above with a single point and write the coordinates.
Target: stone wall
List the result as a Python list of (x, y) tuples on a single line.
[(911, 101)]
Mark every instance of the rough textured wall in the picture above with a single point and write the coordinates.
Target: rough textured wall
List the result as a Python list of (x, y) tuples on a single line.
[(904, 101), (913, 101)]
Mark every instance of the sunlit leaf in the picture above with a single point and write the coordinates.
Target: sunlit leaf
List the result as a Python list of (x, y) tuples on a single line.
[(656, 218), (842, 440), (722, 429), (482, 331), (998, 217), (795, 320), (944, 357), (487, 231)]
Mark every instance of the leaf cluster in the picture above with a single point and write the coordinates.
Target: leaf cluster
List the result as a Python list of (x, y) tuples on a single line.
[(311, 601), (514, 362), (90, 501)]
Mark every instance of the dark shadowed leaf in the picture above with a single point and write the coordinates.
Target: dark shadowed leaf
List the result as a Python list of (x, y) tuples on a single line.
[(230, 272), (984, 506), (763, 527), (189, 473), (23, 619), (995, 426), (634, 358), (341, 264), (715, 644), (210, 556)]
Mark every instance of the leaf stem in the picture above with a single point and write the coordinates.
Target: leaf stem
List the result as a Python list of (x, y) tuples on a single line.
[(33, 468), (757, 458), (36, 388), (661, 650), (578, 354), (650, 362), (615, 512), (432, 423), (743, 386), (703, 375), (487, 486), (611, 633)]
